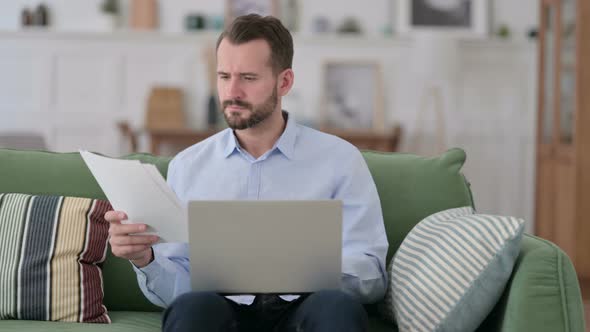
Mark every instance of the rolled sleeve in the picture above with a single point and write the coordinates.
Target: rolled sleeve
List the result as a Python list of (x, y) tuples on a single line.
[(364, 238)]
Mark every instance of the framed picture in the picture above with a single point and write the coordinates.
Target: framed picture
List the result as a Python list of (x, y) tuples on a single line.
[(235, 8), (352, 96), (464, 18)]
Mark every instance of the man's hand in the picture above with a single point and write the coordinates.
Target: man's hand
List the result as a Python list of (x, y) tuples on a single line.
[(136, 248)]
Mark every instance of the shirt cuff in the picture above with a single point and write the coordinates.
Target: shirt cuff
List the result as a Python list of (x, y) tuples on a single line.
[(151, 271), (362, 266)]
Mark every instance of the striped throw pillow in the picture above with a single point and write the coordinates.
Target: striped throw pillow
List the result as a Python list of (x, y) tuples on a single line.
[(450, 270), (49, 250)]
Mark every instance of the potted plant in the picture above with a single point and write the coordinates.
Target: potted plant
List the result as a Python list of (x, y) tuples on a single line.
[(110, 14)]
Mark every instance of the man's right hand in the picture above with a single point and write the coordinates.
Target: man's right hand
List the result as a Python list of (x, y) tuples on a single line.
[(136, 248)]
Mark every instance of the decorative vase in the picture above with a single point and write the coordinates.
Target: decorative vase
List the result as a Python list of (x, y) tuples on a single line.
[(26, 18), (144, 14), (41, 16)]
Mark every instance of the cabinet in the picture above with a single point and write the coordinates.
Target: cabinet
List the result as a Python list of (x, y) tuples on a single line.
[(183, 138), (562, 212)]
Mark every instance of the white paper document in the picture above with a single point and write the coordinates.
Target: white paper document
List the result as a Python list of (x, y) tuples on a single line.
[(140, 191)]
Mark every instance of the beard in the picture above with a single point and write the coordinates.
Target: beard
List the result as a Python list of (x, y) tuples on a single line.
[(255, 113)]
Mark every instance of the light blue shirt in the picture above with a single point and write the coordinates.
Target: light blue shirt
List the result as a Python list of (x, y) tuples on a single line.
[(304, 164)]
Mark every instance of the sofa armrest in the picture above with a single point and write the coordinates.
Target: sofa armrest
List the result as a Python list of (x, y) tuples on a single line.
[(543, 293)]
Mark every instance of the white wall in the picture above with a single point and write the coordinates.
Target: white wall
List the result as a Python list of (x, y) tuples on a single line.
[(373, 14), (74, 86)]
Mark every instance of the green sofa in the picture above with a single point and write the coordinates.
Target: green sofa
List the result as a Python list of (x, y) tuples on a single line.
[(543, 293)]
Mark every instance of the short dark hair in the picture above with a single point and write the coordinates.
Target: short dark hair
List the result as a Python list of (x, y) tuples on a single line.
[(253, 26)]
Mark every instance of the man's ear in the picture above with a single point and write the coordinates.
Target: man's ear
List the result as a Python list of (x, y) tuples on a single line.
[(285, 81)]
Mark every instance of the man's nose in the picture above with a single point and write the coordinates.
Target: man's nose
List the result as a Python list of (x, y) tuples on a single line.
[(234, 89)]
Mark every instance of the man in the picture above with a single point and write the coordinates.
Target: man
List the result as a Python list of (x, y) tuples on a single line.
[(263, 154)]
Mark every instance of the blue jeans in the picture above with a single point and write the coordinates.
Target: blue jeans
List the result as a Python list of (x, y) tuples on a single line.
[(324, 311)]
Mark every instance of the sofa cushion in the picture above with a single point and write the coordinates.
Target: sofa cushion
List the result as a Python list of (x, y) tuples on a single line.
[(377, 324), (122, 321), (451, 270), (128, 321), (49, 250)]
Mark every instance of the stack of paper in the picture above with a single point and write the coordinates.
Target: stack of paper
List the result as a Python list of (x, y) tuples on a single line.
[(142, 193)]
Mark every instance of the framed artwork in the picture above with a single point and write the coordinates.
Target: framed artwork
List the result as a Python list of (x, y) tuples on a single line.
[(235, 8), (464, 18), (352, 96)]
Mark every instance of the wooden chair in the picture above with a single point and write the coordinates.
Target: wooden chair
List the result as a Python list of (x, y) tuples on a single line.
[(128, 134)]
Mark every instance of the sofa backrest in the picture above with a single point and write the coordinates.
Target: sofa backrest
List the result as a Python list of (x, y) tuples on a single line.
[(410, 188), (50, 173)]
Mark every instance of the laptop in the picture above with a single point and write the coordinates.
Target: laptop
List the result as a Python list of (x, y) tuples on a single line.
[(252, 247)]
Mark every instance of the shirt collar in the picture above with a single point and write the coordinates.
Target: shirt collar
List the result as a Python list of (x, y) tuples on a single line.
[(285, 143), (231, 143)]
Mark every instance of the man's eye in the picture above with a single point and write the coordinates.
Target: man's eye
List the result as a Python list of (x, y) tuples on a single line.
[(250, 78), (223, 77)]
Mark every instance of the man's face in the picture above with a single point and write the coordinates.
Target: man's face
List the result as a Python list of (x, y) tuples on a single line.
[(246, 83)]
